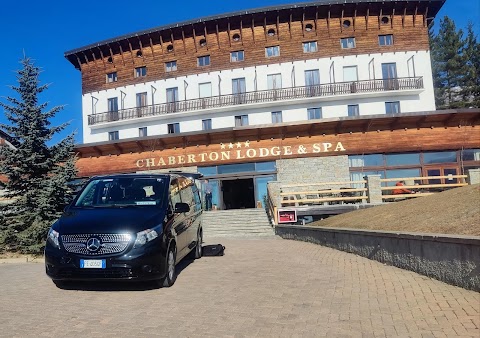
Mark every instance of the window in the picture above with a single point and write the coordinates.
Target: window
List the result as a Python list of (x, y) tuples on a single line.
[(142, 132), (347, 43), (353, 110), (112, 77), (205, 89), (272, 51), (113, 135), (236, 37), (140, 71), (241, 120), (385, 40), (207, 124), (308, 27), (312, 77), (371, 160), (203, 61), (236, 56), (113, 104), (314, 113), (309, 47), (385, 20), (173, 128), (203, 43), (440, 157), (271, 32), (392, 107), (170, 66), (274, 81), (172, 95), (239, 86), (141, 99), (402, 159), (347, 23), (277, 117)]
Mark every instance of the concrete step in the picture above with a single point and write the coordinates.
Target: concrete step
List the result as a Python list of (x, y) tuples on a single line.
[(237, 223)]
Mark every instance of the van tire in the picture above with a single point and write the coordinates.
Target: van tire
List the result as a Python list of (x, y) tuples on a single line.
[(196, 252), (171, 272)]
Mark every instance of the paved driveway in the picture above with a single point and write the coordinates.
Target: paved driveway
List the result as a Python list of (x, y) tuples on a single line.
[(260, 288)]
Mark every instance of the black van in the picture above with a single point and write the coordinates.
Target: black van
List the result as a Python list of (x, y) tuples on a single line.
[(126, 227)]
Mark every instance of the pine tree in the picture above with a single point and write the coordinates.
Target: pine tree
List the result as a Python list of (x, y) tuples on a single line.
[(471, 79), (36, 173), (448, 64), (436, 70)]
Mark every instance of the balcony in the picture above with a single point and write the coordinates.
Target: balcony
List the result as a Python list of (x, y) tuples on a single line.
[(262, 96)]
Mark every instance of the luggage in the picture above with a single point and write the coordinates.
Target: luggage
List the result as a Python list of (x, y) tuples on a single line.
[(213, 250)]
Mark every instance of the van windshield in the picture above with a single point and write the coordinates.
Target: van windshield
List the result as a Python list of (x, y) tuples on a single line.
[(122, 192)]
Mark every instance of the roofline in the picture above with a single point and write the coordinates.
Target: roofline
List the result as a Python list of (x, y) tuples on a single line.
[(239, 13)]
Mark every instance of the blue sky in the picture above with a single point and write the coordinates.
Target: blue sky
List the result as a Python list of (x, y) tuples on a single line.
[(45, 30)]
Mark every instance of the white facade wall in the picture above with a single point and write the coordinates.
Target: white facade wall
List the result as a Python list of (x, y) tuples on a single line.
[(330, 69)]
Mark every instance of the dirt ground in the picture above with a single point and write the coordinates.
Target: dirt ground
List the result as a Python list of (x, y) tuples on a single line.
[(454, 212)]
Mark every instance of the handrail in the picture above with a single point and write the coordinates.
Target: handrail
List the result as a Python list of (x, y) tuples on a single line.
[(323, 191), (425, 186), (420, 178), (329, 89), (324, 183)]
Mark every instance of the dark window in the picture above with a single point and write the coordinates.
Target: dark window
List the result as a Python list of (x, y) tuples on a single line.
[(385, 20), (241, 120), (203, 42), (272, 51), (112, 77), (402, 159), (113, 104), (385, 40), (271, 32), (203, 61), (346, 23), (237, 56), (277, 117), (174, 128), (142, 132), (113, 135), (392, 107), (372, 160), (353, 110), (308, 27), (170, 66), (309, 47), (139, 54), (140, 71), (314, 113), (440, 157), (236, 37), (347, 43), (207, 124)]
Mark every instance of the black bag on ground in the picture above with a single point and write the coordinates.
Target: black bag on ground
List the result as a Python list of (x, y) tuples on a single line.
[(213, 250)]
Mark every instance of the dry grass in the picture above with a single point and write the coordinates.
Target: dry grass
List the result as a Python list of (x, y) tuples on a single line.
[(453, 212)]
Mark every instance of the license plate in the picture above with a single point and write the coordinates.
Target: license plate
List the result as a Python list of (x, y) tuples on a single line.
[(93, 264)]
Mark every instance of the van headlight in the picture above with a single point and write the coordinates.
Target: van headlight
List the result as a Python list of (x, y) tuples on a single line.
[(52, 237), (144, 237)]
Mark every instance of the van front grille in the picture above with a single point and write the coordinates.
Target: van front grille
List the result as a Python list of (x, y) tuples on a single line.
[(96, 244)]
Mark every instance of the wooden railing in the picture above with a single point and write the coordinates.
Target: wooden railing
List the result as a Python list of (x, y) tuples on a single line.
[(420, 189), (330, 89), (344, 194)]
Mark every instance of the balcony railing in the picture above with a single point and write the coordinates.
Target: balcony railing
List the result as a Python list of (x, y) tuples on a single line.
[(331, 89)]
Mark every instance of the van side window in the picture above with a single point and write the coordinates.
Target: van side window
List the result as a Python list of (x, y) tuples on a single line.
[(174, 192)]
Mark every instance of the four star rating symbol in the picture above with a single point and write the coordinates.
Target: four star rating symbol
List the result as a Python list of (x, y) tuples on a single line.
[(231, 145)]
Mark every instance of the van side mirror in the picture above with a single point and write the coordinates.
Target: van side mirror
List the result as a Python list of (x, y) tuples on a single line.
[(181, 207)]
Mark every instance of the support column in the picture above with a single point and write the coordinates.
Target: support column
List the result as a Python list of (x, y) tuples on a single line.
[(374, 190), (473, 176)]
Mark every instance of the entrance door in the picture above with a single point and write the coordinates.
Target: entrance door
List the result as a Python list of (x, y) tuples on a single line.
[(238, 193), (442, 171), (239, 89), (261, 187)]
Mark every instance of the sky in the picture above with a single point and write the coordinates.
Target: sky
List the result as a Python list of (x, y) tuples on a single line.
[(45, 30)]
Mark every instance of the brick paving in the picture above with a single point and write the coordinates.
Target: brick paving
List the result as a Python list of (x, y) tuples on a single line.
[(260, 288)]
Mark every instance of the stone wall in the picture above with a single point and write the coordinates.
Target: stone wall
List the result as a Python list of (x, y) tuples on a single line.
[(450, 259), (313, 169)]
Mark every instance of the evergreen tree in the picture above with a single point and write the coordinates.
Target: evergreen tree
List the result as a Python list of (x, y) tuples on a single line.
[(436, 70), (448, 64), (471, 79), (36, 173)]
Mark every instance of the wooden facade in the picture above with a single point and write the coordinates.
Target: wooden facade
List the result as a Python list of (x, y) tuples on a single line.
[(325, 22), (407, 132)]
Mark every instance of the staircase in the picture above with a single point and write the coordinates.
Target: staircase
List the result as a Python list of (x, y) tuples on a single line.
[(236, 223)]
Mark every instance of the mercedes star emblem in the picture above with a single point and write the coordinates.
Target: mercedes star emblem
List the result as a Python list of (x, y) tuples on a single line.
[(93, 244)]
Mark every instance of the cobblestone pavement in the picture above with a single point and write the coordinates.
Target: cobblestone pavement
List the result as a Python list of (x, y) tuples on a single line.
[(260, 288)]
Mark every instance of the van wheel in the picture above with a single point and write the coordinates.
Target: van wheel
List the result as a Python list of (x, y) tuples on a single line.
[(171, 275), (196, 253)]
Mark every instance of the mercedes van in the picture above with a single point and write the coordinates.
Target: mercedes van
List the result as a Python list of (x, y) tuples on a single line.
[(126, 227)]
